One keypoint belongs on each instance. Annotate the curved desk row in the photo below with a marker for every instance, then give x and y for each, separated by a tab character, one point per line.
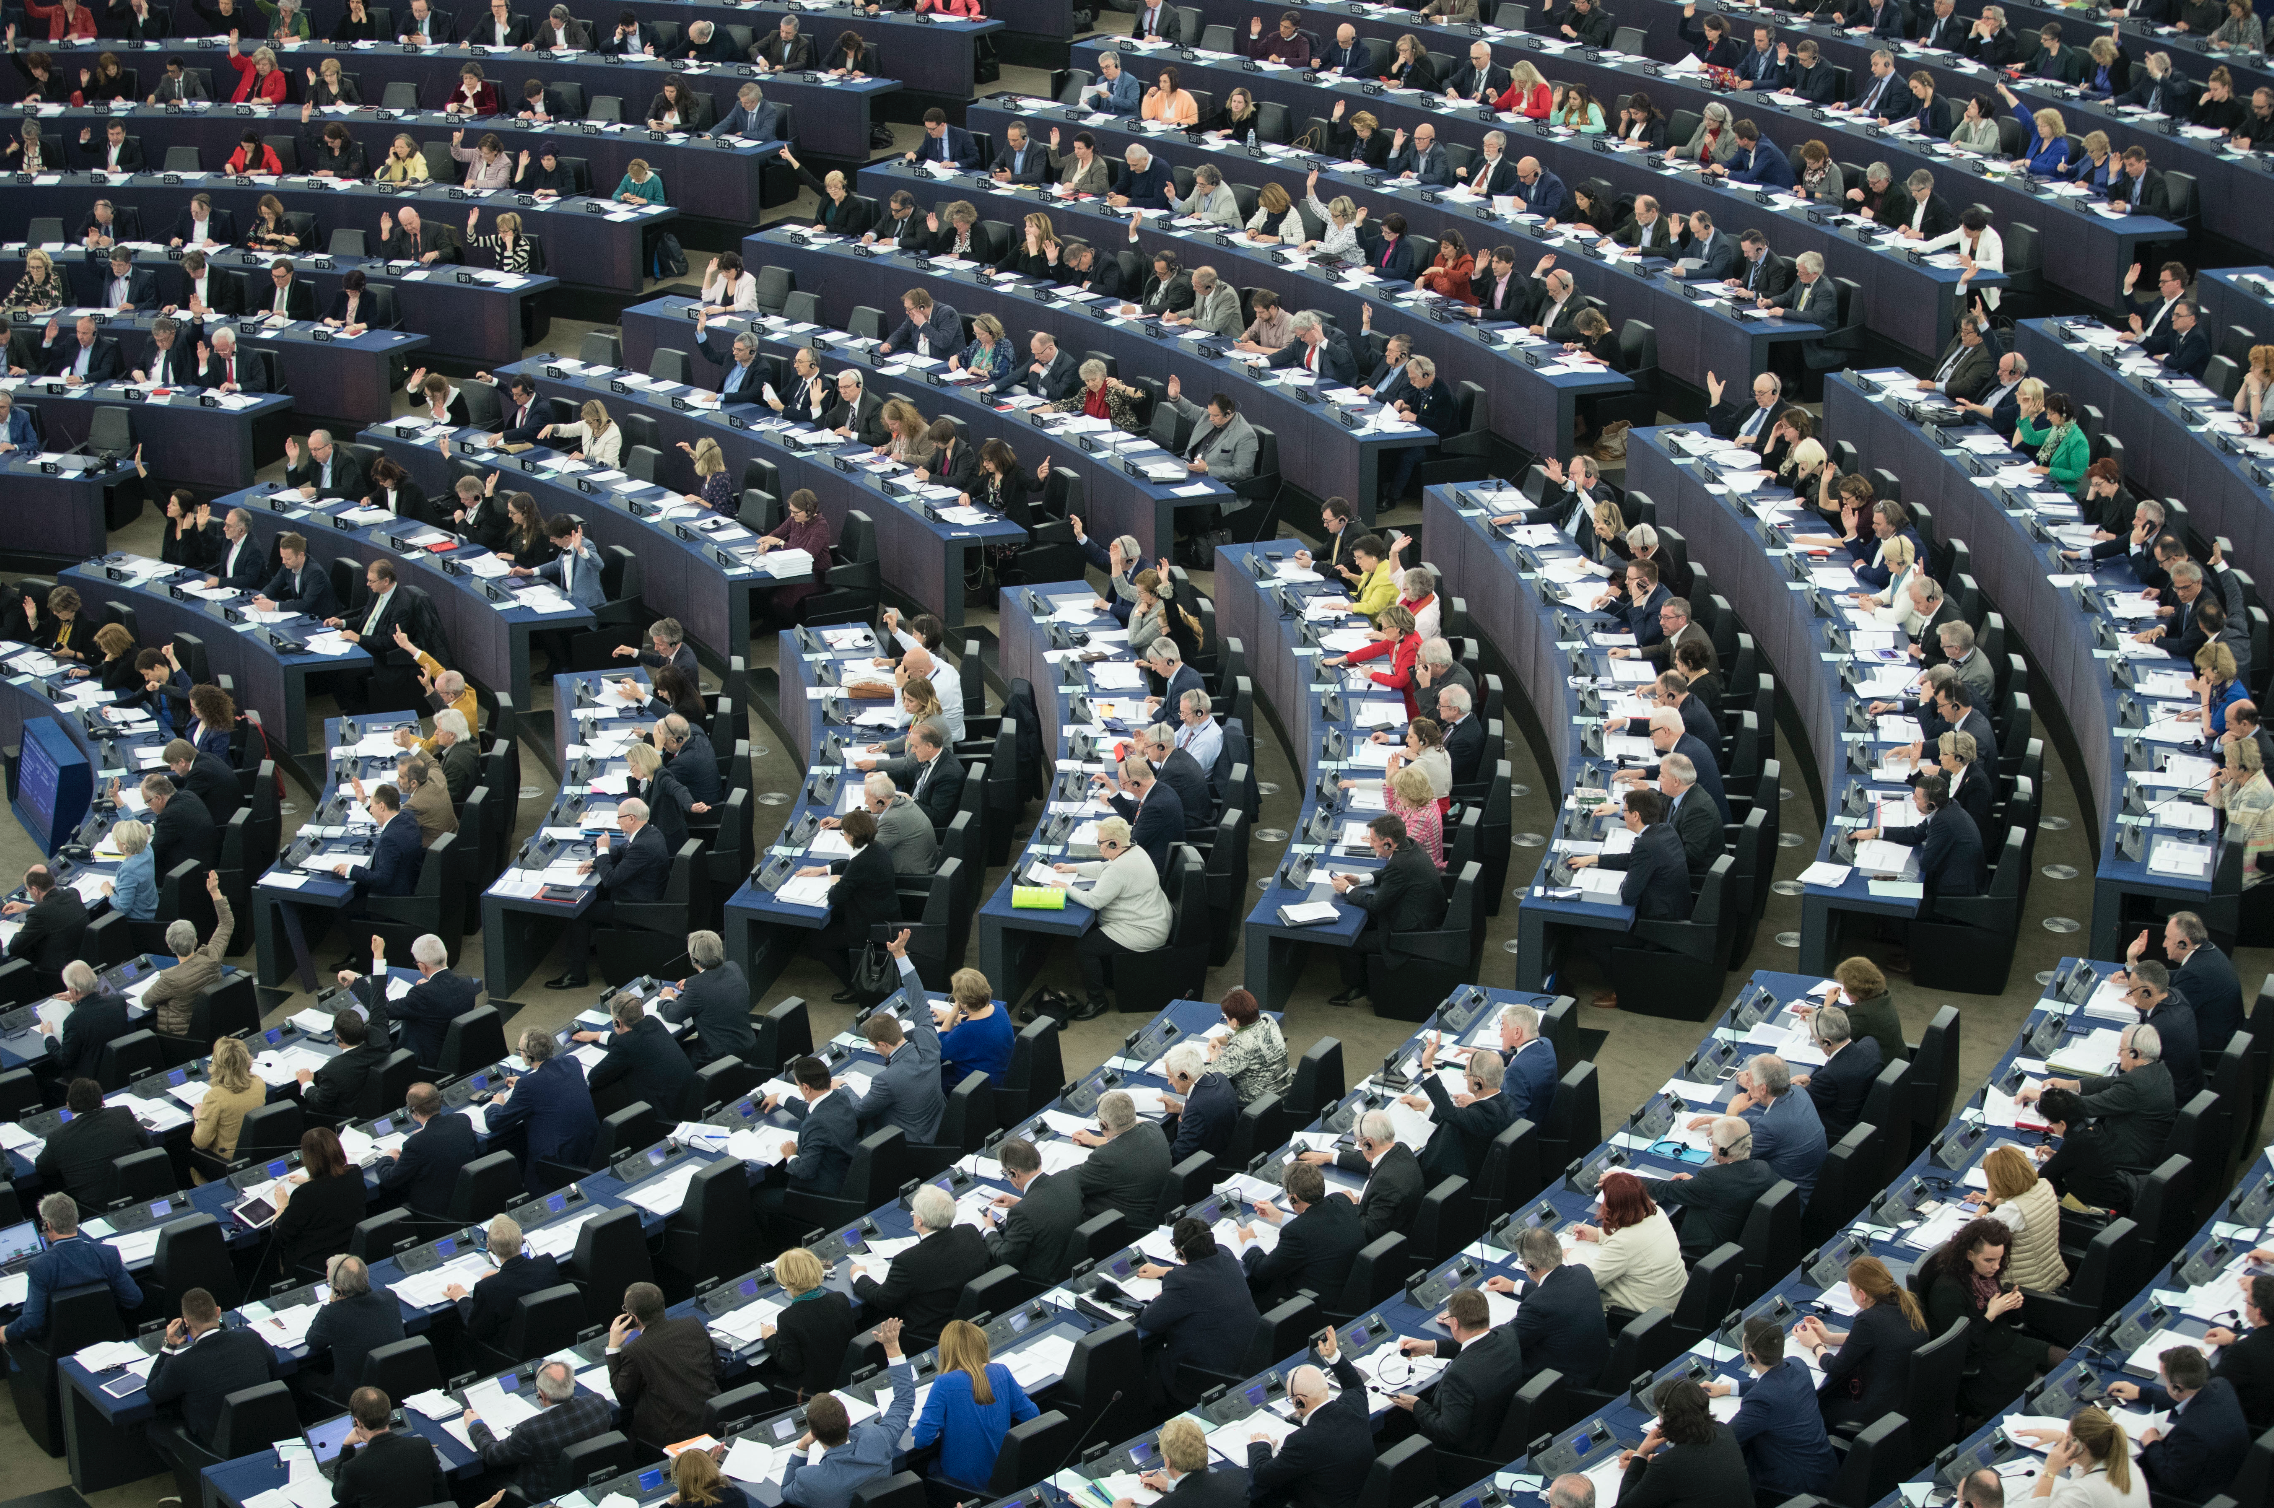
832	119
64	514
189	436
608	237
2075	646
2188	447
2083	252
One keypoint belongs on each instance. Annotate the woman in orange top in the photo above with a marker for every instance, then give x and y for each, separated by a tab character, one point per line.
1449	274
1166	101
1528	94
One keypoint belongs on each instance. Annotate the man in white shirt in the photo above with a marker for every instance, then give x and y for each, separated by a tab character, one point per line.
242	560
926	634
1197	732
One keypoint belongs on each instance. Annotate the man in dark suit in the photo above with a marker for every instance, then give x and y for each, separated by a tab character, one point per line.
2147	989
2195	1458
2140	189
127	289
949	145
205	776
1036	1232
1540	191
688	755
2190	349
1464	1411
81	1155
1464	735
1128	1163
1316	1246
355	1321
1407	895
856	411
1648	229
1926	214
321	469
1949	844
298	586
183	827
1181	774
2245	1364
663	1369
225	367
1493	174
396	860
1690	812
440	997
1392	1196
642	1055
1716	1202
334	1091
1968	366
1715	253
406	238
716	998
1657	882
552	1103
1206	1108
784	48
53	921
828	1131
84	356
1670	735
1559	1321
523	415
1467	1123
925	1281
927	326
637	868
1787	1452
381	1467
1022	160
929	772
1761	273
424	1170
1326	1460
488	1308
1051	373
1481	80
201	225
286	295
1841	1086
1155	815
200	1365
1316	350
2202	975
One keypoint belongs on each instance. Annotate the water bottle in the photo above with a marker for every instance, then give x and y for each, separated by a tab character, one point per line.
1251	136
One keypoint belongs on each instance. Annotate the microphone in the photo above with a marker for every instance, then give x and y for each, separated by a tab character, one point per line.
1093	1429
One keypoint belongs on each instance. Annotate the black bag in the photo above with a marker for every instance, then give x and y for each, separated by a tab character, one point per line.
875	973
670	257
1047	1003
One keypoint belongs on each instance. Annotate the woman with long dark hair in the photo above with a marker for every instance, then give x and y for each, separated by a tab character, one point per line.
1689	1459
319	1206
1966	1281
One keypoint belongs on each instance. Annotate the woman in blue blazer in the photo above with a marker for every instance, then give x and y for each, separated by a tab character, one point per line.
971	1407
216	720
134	893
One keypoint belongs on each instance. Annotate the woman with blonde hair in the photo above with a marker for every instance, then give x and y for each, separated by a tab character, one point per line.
1239	119
919	699
2028	1206
40	287
1410	67
972	1405
257	75
716	487
1610	527
1393	635
116	667
1527	93
1340	218
2250	397
1897	556
134	890
2096	164
404	163
988	357
1275	219
811	1339
1167	100
640	184
328	86
1406	794
1149	616
668	799
2110	71
1865	1373
2090	1466
1037	252
1361	139
230	1092
2242	791
2214	684
909	445
515	251
976	1034
603	438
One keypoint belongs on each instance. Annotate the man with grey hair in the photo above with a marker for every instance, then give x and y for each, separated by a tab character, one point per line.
906	1092
929	772
1716	1202
2201	975
1154	814
1167	661
1197	732
440	997
1851	1063
1787	1133
1203	1101
323	470
70	1261
688	754
1928	214
1434	670
1560	1322
901	826
1130	1161
1694	819
533	1450
355	1321
454	745
926	1281
716	998
1316	348
1467	1122
490	1305
1392	1196
1571	1490
2131	1109
1181	774
1117	91
1815	299
637	869
173	995
1962	655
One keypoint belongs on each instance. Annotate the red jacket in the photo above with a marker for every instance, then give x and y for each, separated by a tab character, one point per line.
951	7
269	163
82	26
1535	105
271	88
485	97
1399	677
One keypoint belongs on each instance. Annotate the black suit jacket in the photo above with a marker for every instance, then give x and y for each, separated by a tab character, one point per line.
1407	895
2209	982
312	594
1697	823
104	364
426	1174
52	930
216	1364
426	1012
490	1305
2204	1448
299	299
1560	1322
212	782
1315	1251
1658	874
812	1340
1321	1464
1715	1202
637	871
2147	194
1393	1190
1840	1086
396	1470
1464	747
650	1064
926	1280
222	227
1037	1236
81	1154
1464	1411
340	1082
1126	1175
348	1330
185	830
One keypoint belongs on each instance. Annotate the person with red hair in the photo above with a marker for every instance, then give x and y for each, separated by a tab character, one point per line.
1640	1266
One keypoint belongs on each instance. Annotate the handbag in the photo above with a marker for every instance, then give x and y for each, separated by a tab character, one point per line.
875	973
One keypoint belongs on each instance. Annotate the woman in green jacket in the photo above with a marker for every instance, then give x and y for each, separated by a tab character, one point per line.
640	185
2058	442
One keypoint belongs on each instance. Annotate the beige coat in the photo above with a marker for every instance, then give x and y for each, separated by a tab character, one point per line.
172	994
430	806
221	1116
2035	1217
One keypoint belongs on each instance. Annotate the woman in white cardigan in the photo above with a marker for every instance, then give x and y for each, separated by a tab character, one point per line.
1979	240
1639	1265
603	438
1133	913
2090	1466
1341	219
728	288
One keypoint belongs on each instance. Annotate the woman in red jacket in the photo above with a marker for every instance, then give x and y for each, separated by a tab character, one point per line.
68	21
1449	275
1528	94
1393	636
256	156
258	77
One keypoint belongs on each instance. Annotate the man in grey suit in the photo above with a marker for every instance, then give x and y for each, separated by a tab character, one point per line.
1223	443
906	1091
902	827
1215	305
1961	654
1128	1168
1812	297
1034	1230
716	997
1968	367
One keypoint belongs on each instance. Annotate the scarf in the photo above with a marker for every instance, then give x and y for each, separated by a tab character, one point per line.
1094	404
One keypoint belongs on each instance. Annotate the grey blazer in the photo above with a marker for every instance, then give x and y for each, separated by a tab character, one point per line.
1090	180
906	834
1230	452
1219	311
1219	207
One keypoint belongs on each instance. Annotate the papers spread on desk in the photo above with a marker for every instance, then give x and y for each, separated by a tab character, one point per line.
424	1290
2182	860
665	1195
2092	1055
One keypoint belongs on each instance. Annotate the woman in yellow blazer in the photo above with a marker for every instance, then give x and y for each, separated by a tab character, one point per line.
1377	580
231	1091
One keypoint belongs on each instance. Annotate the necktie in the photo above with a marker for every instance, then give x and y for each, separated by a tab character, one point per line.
233	376
378	606
924	776
1311	359
1871	100
1753	425
281	300
1950	364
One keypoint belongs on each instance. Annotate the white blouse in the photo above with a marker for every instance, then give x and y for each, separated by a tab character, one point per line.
603	450
1339	239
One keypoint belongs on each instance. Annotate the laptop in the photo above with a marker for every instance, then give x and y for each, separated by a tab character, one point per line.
326	1439
20	1243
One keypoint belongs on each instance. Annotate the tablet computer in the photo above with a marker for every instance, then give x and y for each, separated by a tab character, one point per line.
257	1213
